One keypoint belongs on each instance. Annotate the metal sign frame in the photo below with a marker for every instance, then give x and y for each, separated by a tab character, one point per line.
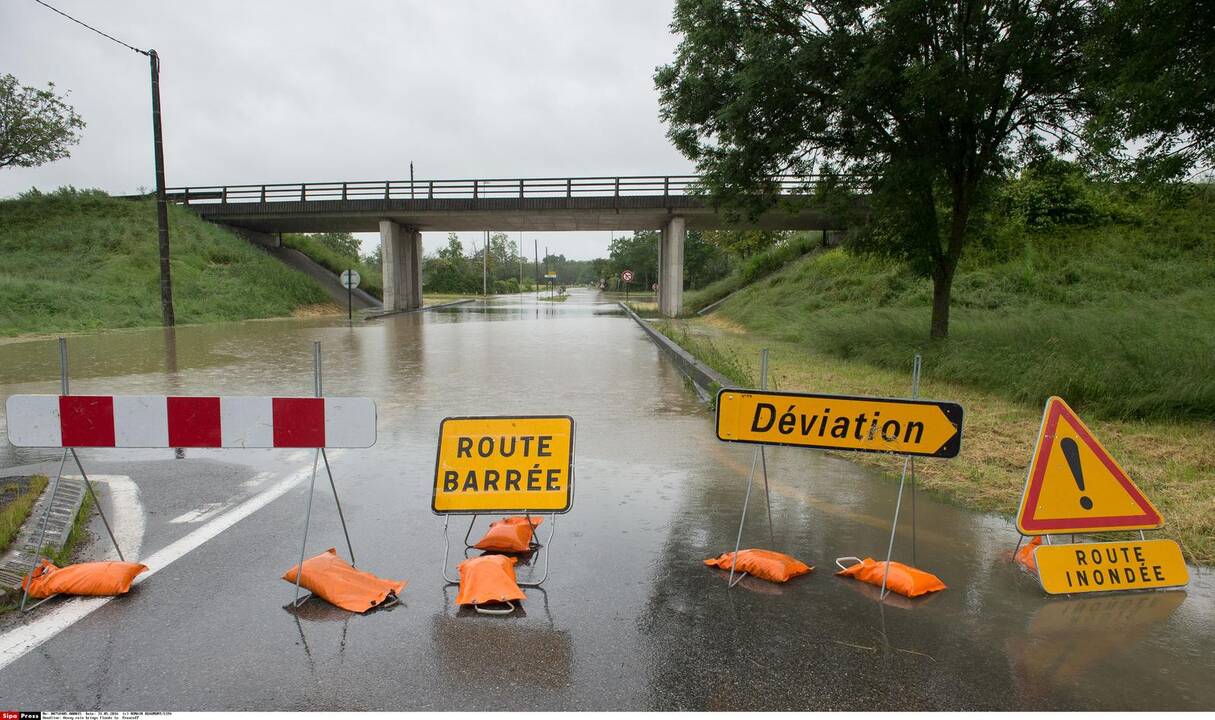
535	544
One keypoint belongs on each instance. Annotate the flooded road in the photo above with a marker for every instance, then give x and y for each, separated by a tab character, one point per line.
629	618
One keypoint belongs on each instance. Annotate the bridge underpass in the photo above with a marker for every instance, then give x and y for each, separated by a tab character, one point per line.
401	210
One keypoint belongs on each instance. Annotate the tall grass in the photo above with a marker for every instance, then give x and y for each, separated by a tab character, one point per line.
753	268
79	260
371	279
16	506
1118	319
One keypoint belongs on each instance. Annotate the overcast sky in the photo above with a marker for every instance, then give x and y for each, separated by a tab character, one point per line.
290	91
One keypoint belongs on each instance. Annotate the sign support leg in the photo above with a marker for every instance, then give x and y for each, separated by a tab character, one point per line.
299	569
46	516
329	472
88	484
907	464
763	456
742	521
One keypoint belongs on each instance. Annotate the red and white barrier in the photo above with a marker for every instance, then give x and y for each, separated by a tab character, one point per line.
158	421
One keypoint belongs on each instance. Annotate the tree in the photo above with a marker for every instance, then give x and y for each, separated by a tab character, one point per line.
36	126
342	243
744	243
929	100
1153	84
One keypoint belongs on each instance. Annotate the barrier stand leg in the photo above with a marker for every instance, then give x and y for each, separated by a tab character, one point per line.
89	484
894	526
447	550
763	456
468	534
46	516
742	521
548	550
329	472
299	569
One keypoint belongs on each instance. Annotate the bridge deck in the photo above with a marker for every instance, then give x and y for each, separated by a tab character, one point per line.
534	204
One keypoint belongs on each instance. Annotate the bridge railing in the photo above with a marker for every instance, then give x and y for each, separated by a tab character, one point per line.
622	186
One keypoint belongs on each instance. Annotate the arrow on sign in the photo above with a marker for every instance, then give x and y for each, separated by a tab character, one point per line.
840	422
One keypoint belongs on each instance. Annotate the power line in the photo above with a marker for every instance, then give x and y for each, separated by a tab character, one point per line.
90	27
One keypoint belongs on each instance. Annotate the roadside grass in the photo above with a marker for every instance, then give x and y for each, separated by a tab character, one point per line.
553	298
370	277
15	506
753	268
1172	462
80	260
1117	319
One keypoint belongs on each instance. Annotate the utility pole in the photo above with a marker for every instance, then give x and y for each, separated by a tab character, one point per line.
162	201
485	267
162	208
520	264
536	258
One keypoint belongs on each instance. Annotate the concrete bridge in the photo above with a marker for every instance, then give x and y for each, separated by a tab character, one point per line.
401	210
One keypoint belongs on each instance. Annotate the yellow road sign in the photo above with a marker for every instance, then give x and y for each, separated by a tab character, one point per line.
840	422
1074	484
504	464
1105	567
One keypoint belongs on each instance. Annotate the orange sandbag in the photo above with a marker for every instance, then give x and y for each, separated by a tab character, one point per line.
488	579
903	579
763	564
512	534
333	579
91	578
1025	556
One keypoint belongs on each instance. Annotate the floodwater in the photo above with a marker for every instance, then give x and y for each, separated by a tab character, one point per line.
629	617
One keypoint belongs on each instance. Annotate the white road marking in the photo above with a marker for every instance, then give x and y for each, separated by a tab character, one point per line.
206	512
126	515
17	642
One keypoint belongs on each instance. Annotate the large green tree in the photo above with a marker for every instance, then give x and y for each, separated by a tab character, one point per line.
1154	86
929	100
36	126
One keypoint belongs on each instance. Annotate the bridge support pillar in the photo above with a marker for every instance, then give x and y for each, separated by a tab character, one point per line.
401	255
670	267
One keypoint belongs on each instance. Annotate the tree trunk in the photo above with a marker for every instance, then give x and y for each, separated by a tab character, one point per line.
942	287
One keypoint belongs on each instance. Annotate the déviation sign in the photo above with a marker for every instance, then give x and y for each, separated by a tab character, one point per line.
840	422
504	464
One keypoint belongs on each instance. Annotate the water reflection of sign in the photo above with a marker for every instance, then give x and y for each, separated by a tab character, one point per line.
1074	484
504	464
837	422
1069	642
1103	567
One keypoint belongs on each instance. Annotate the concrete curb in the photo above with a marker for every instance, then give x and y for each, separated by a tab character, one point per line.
377	316
707	380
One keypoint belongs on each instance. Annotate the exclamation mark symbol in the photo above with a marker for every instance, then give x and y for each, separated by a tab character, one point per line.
1071	451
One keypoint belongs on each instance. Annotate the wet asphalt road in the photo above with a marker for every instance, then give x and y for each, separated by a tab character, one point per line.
629	618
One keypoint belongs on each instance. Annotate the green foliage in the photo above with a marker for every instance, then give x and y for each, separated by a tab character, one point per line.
1054	192
36	126
703	261
338	252
80	260
928	99
15	506
791	247
1114	316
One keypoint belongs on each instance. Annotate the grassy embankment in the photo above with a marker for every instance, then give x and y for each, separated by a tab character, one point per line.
1116	318
370	277
76	261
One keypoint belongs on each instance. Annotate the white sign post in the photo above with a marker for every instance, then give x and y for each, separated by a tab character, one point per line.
350	280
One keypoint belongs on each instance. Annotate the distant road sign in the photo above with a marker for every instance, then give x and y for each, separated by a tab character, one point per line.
654	286
1102	567
504	464
1074	484
551	275
350	279
838	422
626	275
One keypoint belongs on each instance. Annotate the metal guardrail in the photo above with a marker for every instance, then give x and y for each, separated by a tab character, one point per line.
518	188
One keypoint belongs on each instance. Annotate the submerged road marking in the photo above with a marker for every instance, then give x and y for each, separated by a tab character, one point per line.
17	642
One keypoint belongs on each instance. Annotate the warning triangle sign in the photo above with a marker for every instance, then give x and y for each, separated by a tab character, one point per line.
1074	485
